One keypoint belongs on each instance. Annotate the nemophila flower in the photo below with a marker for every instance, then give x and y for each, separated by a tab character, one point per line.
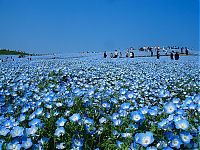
22	117
49	106
169	108
106	105
61	121
31	131
125	135
117	122
125	106
151	148
59	131
90	129
119	144
123	113
75	117
114	100
162	124
13	146
17	131
144	110
137	116
182	124
130	95
186	137
26	144
4	131
43	140
152	112
61	146
32	116
70	103
67	113
34	122
192	106
144	139
38	111
167	148
176	142
115	116
88	121
161	144
77	142
176	100
115	133
123	91
102	120
8	124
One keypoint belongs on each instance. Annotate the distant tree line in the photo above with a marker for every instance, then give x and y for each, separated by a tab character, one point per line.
15	52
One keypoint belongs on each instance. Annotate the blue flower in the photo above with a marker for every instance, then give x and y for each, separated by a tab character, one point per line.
17	131
169	108
39	111
186	137
182	124
123	91
117	122
27	143
32	130
4	131
34	122
13	146
144	138
106	105
151	148
125	106
119	144
102	120
88	121
75	117
163	123
77	142
176	142
59	131
22	117
60	145
61	122
152	112
137	116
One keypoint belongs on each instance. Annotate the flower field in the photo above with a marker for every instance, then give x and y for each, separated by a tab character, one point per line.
100	104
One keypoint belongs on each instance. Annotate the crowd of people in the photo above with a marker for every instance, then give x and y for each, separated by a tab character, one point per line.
174	52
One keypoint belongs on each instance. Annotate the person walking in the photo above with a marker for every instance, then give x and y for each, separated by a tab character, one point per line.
177	56
186	51
105	55
151	53
158	54
172	56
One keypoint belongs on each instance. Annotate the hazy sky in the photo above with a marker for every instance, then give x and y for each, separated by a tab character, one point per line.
47	26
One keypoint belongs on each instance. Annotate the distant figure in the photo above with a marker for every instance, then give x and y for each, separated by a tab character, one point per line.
177	56
172	56
158	54
111	55
105	55
120	55
127	54
131	55
115	54
181	50
151	53
186	51
13	60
